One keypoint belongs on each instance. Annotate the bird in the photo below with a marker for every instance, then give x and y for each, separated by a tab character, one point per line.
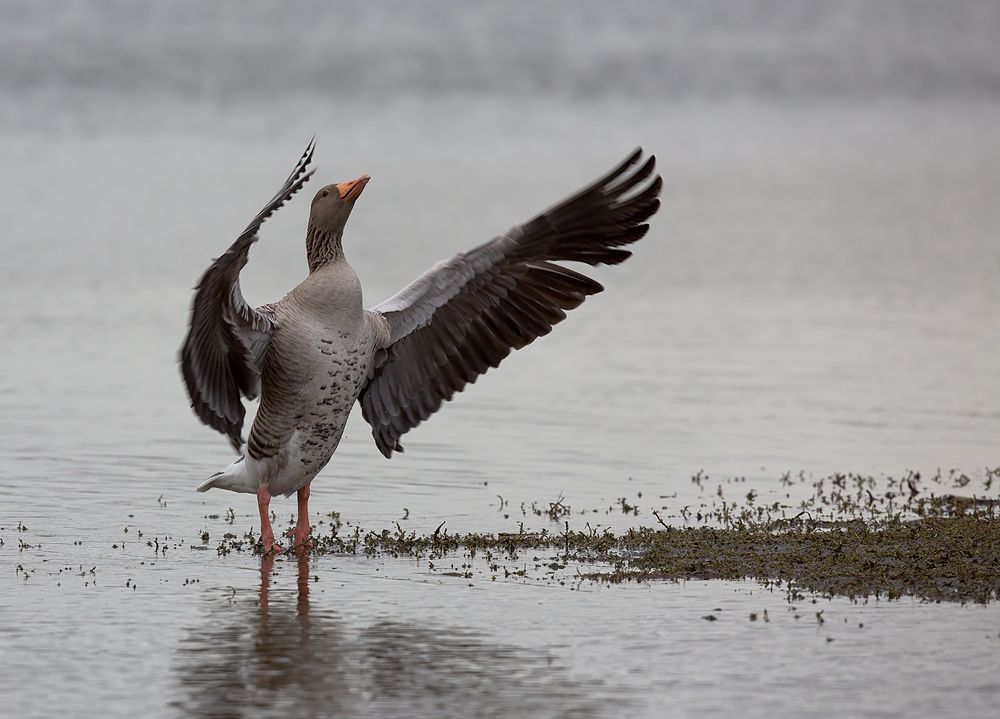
312	355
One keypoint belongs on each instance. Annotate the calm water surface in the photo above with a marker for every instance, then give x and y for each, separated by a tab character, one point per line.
818	294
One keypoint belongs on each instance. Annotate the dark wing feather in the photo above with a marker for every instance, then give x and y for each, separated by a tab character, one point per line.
226	340
466	314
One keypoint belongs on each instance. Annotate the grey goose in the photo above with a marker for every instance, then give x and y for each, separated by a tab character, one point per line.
310	356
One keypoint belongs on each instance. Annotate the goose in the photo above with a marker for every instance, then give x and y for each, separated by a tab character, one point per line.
310	356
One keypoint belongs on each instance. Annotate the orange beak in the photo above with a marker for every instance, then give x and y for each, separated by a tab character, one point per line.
351	190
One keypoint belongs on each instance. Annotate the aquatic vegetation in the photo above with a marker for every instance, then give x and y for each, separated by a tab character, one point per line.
854	536
942	558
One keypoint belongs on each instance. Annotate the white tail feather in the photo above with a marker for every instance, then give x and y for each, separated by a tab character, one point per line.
237	477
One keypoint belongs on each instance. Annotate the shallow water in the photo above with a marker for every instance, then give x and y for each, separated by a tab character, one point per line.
818	294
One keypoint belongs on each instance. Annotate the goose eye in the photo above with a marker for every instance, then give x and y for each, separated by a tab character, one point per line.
325	193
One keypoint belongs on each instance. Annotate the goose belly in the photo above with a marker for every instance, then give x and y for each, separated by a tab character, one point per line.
325	403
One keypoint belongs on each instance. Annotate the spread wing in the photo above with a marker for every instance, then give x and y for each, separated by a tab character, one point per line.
226	340
466	314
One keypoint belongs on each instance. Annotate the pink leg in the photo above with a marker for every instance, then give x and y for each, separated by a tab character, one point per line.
302	523
266	533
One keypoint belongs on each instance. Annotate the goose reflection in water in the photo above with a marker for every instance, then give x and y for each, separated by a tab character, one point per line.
273	658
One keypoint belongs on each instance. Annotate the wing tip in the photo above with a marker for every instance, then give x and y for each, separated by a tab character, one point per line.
387	447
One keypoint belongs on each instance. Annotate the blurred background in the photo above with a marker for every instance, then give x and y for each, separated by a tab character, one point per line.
817	294
818	291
